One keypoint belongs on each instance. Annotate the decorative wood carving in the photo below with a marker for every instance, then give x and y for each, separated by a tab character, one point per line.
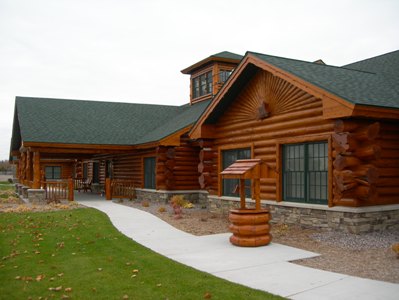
268	95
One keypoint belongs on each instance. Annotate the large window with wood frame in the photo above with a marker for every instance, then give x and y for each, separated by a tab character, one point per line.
202	85
230	186
52	172
149	172
305	172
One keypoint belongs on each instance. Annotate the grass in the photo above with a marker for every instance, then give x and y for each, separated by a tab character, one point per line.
78	254
6	186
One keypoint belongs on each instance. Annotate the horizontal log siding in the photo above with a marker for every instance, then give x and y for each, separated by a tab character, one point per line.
185	170
388	163
239	127
126	166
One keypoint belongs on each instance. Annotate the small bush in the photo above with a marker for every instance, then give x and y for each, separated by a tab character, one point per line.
177	200
180	201
395	248
145	203
161	209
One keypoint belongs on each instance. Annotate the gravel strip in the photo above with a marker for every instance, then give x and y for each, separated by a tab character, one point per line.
375	240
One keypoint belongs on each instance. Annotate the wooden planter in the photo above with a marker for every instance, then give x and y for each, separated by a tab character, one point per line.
250	227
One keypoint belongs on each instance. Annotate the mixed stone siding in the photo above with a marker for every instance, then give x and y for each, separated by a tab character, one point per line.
346	219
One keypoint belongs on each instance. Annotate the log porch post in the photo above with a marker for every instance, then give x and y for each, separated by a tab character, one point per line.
23	168
108	192
70	189
36	170
28	167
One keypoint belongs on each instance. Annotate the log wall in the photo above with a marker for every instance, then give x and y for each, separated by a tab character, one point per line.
176	167
366	162
126	166
268	111
388	163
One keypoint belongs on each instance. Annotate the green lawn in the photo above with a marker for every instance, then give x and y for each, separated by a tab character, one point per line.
78	254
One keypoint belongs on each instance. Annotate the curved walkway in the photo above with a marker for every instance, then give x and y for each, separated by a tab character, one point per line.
265	268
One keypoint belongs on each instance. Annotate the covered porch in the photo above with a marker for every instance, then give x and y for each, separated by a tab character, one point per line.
51	173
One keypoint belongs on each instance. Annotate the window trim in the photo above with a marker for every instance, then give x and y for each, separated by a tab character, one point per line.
303	139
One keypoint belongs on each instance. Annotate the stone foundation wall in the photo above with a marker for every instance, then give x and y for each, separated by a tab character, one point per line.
352	221
347	219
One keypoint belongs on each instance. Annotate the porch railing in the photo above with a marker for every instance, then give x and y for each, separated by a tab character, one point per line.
58	190
78	183
82	184
122	188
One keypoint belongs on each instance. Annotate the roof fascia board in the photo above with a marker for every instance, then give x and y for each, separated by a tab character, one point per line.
174	138
375	112
196	129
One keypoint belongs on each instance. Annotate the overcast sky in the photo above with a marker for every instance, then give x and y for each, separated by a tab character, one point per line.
133	50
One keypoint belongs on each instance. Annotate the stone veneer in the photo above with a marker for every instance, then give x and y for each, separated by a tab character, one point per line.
347	219
29	195
37	196
162	196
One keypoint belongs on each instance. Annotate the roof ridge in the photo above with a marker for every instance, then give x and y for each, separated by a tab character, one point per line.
371	58
308	62
99	101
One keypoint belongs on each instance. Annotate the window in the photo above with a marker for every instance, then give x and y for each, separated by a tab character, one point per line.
149	172
53	172
305	173
85	170
96	173
224	75
202	85
230	185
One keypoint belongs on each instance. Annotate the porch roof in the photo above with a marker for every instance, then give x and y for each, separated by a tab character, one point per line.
46	120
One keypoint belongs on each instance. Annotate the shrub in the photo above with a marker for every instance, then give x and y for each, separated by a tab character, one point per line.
161	209
178	200
145	203
395	248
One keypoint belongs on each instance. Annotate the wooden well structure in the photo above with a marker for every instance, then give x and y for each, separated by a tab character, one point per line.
250	226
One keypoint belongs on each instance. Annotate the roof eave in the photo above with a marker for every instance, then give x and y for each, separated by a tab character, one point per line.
208	60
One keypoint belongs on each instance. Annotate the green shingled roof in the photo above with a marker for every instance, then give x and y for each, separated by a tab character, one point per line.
95	122
228	55
224	56
374	82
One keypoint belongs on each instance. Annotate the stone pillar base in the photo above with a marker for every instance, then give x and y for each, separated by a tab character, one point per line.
37	196
25	192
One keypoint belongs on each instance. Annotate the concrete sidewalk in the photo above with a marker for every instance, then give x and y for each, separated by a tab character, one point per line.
265	268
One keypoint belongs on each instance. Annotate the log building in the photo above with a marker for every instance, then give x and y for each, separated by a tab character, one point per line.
328	137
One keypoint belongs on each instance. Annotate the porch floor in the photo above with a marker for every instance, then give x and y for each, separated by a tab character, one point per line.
266	268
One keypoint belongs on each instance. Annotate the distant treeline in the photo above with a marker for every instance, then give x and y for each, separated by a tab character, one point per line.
6	167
